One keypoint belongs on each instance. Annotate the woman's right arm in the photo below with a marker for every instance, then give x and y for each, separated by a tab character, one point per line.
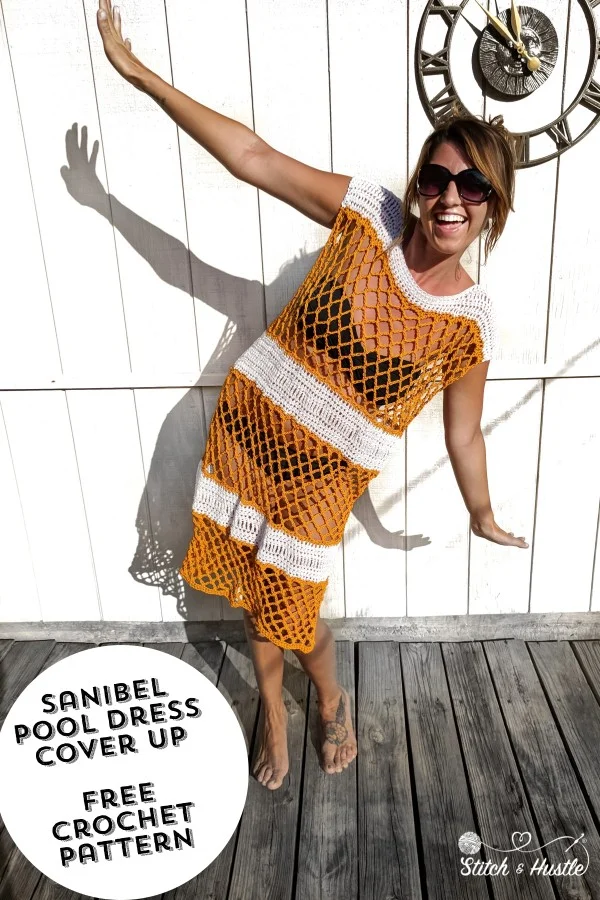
314	192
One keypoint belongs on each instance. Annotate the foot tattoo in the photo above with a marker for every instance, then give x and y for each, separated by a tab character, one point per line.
336	732
339	743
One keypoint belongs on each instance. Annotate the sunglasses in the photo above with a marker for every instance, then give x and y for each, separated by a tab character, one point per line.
471	184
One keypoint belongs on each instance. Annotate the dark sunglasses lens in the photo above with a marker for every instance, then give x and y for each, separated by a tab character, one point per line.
432	181
474	187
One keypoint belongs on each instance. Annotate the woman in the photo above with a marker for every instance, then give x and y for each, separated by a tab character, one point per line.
307	416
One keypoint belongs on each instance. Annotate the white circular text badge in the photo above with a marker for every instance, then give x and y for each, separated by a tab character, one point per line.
137	768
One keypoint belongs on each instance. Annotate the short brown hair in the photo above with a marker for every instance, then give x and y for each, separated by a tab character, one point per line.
491	148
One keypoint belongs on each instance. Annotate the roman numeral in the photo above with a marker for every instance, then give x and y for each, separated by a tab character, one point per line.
591	95
524	146
436	63
560	133
449	12
443	100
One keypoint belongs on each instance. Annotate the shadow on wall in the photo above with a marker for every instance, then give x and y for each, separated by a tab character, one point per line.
164	522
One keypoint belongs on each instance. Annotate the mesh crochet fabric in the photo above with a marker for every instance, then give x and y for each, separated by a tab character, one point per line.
309	414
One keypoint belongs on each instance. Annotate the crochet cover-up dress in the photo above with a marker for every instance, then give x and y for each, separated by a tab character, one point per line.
310	412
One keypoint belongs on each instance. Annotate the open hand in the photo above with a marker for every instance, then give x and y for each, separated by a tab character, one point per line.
488	529
80	175
117	50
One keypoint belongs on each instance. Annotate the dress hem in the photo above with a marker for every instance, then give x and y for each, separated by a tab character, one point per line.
256	622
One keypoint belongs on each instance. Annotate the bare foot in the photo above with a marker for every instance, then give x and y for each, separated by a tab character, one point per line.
339	741
272	763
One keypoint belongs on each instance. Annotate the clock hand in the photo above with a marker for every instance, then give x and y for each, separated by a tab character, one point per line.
533	63
516	20
498	25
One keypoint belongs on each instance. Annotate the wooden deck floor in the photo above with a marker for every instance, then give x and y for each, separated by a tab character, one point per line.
493	737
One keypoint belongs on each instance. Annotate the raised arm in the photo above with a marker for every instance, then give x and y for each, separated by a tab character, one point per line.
314	192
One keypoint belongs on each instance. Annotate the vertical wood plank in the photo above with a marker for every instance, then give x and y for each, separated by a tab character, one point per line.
373	32
499	576
26	310
46	49
327	863
147	210
376	545
568	492
264	855
221	211
437	572
387	846
107	444
444	807
48	480
237	684
573	314
19	601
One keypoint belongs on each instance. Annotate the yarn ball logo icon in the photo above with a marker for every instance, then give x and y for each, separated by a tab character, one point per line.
123	772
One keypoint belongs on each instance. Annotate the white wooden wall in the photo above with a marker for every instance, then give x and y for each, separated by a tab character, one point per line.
129	285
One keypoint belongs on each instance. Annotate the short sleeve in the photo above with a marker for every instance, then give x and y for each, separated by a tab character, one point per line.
378	204
488	328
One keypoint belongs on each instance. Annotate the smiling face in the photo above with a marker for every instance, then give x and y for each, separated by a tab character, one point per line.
452	239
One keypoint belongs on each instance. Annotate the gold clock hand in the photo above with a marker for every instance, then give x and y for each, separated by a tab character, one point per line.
533	63
498	25
516	20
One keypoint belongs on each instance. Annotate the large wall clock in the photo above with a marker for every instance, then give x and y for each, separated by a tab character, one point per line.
534	65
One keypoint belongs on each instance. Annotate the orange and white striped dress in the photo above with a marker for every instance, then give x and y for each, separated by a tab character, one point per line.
310	412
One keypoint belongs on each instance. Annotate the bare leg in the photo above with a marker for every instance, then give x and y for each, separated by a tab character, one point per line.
272	761
339	742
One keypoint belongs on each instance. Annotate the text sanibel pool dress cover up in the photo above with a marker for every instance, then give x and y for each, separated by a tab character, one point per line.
310	412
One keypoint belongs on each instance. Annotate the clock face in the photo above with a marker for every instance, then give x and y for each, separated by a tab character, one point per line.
504	68
544	86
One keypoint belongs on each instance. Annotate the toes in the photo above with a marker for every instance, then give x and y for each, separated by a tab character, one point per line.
275	781
264	774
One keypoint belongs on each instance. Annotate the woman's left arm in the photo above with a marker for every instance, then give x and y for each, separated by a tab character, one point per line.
463	405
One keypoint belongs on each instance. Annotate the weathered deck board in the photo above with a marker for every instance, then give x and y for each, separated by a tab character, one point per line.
233	674
19	880
327	865
5	646
387	848
21	664
495	738
444	810
556	798
270	817
499	796
588	656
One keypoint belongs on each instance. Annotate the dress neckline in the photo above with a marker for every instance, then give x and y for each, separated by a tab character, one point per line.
405	277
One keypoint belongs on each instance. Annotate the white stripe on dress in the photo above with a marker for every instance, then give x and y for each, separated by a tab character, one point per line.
298	559
291	387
